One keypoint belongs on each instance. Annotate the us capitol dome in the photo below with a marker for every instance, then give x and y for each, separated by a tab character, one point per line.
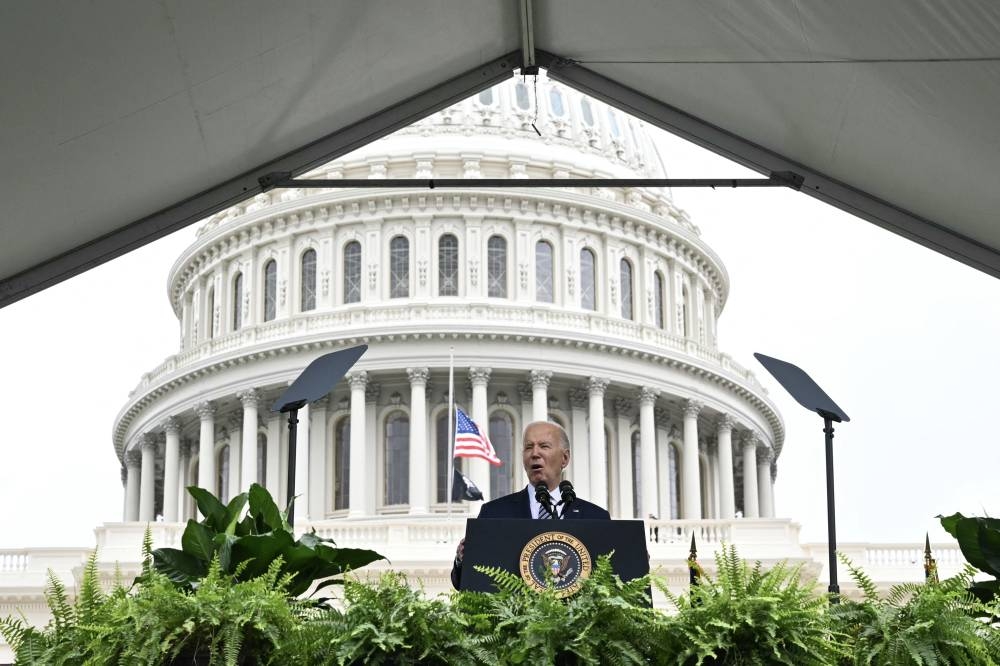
596	308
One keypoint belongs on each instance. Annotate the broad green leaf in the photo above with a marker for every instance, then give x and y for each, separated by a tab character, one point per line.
226	562
210	507
263	508
197	541
989	546
233	512
259	551
966	532
180	567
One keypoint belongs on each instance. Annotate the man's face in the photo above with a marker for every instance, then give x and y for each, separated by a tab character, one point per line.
544	456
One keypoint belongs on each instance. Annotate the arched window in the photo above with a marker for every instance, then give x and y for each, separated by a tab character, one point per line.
342	464
442	449
658	298
616	131
556	102
587	112
486	97
261	458
544	291
448	265
308	276
222	474
626	284
396	488
399	267
637	476
675	486
352	272
588	279
496	266
238	302
502	438
270	290
685	311
521	96
210	305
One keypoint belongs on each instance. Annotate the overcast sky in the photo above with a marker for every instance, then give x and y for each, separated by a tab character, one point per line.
902	338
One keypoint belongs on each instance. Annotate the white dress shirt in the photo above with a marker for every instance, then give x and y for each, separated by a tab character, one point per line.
536	508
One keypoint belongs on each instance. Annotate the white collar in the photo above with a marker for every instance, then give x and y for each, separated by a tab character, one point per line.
556	495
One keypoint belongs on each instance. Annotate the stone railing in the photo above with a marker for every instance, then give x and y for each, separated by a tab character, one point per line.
421	316
888	563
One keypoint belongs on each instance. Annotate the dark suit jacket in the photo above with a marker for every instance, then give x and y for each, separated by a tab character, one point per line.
517	505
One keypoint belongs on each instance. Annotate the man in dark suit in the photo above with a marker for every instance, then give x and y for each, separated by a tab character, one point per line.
545	455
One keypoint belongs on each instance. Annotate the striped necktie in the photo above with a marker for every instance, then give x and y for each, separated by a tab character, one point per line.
543	512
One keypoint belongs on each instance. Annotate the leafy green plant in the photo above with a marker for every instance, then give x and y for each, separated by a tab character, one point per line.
979	539
748	615
386	622
606	621
921	624
245	547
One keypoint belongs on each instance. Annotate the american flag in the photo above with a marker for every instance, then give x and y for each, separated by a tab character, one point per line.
469	442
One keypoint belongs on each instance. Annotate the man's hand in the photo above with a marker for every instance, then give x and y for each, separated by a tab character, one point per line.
460	551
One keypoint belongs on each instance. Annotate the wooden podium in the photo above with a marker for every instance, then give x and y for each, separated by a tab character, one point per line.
563	551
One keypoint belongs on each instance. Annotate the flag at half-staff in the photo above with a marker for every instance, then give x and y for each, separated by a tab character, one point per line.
470	441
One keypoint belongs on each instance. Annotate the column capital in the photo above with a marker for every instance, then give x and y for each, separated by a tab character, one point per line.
250	397
750	438
692	408
418	375
725	422
764	455
623	407
133	458
647	395
596	386
358	379
205	410
147	440
171	425
578	398
480	376
540	378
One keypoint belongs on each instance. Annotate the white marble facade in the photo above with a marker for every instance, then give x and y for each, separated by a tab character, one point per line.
595	307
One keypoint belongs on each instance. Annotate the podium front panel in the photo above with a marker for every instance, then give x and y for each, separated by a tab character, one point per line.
501	542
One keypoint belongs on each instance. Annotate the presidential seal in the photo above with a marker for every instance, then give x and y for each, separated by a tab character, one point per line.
557	559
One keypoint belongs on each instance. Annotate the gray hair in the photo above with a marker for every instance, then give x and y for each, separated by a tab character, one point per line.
563	436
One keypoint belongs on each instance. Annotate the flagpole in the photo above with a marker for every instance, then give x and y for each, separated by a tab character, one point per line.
451	427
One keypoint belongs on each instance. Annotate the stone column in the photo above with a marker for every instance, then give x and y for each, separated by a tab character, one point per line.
235	454
171	469
357	497
623	426
580	456
248	460
662	420
479	469
206	446
317	459
419	453
764	481
596	386
727	497
539	394
750	497
147	483
691	483
302	463
647	455
371	470
183	510
133	459
272	475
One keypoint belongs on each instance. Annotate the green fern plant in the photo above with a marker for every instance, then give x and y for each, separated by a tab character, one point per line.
606	621
921	624
749	615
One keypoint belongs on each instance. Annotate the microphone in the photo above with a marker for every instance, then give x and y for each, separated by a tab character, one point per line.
543	497
568	495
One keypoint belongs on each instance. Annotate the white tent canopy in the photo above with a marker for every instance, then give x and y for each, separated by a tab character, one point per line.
123	121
